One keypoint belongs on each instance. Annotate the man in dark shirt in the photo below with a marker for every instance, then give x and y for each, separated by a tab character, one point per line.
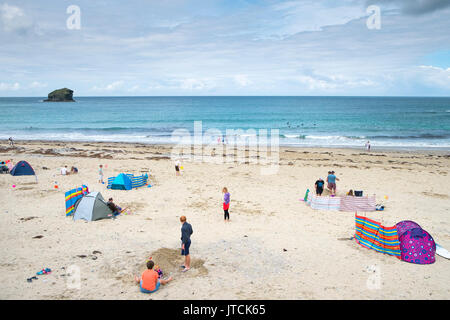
319	186
186	231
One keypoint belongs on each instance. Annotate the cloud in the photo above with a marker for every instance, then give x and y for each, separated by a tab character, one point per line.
109	87
37	84
242	80
9	87
196	84
414	7
249	47
13	19
435	76
323	82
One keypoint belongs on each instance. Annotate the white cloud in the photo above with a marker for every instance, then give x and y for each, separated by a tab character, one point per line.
435	76
14	19
37	84
110	87
242	80
196	84
9	87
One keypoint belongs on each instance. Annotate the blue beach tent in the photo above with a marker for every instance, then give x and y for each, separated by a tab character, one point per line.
122	182
22	168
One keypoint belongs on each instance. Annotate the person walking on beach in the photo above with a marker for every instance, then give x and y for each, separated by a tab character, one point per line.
319	186
331	179
368	145
100	174
226	204
11	142
186	232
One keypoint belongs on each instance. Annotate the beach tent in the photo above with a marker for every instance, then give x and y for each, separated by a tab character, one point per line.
122	182
406	240
416	245
73	196
92	207
22	168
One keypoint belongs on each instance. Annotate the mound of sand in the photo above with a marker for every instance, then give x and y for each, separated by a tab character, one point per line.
170	260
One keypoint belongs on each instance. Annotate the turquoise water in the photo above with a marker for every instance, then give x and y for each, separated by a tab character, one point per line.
398	122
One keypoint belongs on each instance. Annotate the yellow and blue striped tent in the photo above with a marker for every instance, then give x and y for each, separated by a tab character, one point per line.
136	181
72	197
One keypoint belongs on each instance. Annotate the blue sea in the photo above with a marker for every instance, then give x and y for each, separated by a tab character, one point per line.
388	122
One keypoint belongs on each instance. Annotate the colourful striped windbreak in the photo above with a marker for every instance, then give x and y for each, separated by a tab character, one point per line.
373	235
136	181
72	197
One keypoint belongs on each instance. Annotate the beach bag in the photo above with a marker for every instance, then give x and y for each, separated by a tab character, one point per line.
417	246
358	193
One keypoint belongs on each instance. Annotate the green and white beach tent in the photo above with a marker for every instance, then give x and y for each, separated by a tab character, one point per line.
92	207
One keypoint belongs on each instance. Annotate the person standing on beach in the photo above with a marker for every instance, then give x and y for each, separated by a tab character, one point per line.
186	232
177	167
11	142
10	164
331	179
368	145
319	186
100	174
226	204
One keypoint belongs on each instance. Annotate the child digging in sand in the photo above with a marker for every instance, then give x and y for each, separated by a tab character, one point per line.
150	281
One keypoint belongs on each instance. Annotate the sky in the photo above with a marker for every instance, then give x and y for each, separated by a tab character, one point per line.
225	47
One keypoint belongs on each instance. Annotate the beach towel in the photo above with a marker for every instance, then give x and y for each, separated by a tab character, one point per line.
373	235
73	196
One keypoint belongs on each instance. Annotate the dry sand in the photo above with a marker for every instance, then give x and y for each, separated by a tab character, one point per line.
275	247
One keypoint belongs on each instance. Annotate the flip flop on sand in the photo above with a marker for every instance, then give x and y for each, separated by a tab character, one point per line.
185	269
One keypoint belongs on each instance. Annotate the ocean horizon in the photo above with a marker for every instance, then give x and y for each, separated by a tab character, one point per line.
303	121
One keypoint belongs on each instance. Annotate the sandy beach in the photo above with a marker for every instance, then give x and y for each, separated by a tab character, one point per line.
274	247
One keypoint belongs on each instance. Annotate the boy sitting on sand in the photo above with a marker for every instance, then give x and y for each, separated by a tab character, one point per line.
149	281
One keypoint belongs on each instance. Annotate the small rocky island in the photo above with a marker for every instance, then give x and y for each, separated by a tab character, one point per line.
60	95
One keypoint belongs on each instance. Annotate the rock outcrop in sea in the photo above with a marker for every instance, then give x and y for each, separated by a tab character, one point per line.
60	95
